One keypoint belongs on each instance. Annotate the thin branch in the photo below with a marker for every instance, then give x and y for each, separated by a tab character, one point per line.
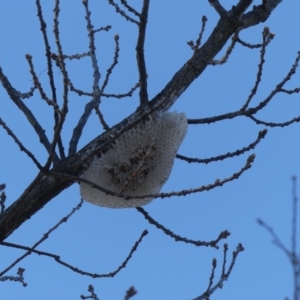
203	188
276	240
224	59
224	276
212	276
14	96
50	73
93	295
290	92
77	132
18	278
101	118
75	269
21	146
130	293
214	243
106	28
130	8
248	45
292	254
114	63
238	152
140	54
28	94
62	66
39	86
122	12
294	216
41	240
266	37
119	96
275	124
2	198
199	39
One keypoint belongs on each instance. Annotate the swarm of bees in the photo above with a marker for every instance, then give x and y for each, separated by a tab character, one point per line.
138	164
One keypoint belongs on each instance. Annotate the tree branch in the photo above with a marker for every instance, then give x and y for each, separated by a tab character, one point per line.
44	188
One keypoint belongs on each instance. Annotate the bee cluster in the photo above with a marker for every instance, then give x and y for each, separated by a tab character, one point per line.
139	162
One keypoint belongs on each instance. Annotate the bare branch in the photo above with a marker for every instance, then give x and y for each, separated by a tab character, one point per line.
101	118
2	198
50	74
122	12
224	59
77	132
39	86
130	8
274	124
276	240
203	188
14	96
19	278
106	28
292	254
199	39
119	96
130	293
223	235
294	216
224	276
75	269
22	147
267	36
238	152
41	240
140	53
93	294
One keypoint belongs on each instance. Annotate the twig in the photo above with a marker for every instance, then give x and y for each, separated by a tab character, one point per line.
140	54
292	254
21	146
130	8
50	73
28	94
203	188
130	293
44	237
77	132
223	235
19	278
93	295
224	276
75	269
40	88
238	152
2	198
266	36
275	124
122	12
102	121
199	39
224	59
14	95
62	66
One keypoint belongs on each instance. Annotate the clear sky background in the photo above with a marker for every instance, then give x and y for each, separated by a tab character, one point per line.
98	239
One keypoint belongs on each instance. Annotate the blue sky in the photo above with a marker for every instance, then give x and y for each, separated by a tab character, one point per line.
98	239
